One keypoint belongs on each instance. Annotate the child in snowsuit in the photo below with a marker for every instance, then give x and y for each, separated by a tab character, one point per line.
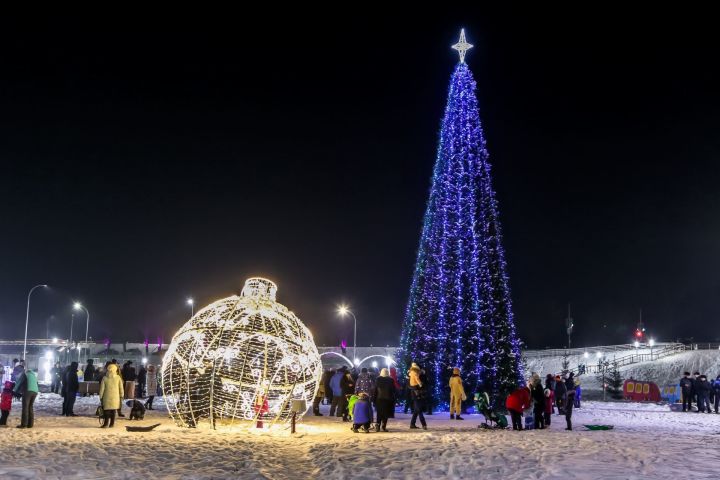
6	402
457	395
362	413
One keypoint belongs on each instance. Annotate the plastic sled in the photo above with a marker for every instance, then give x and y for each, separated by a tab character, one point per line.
141	429
599	427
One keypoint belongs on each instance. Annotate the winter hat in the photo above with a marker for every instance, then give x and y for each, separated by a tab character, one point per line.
686	374
384	372
456	371
557	377
415	365
703	377
696	373
112	368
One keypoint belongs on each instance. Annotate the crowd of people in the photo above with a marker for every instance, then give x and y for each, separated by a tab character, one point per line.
702	392
114	384
560	391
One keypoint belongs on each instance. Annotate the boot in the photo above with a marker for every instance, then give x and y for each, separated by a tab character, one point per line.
354	429
459	418
452	416
377	427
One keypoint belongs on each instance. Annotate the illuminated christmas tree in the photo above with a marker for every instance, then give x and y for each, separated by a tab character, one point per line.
459	313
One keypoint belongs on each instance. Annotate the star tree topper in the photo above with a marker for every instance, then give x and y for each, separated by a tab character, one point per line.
462	46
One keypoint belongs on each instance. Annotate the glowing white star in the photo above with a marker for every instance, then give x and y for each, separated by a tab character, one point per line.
462	46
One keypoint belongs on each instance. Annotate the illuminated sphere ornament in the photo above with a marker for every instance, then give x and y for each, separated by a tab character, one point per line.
240	358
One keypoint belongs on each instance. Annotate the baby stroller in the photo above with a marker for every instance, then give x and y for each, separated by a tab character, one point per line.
482	403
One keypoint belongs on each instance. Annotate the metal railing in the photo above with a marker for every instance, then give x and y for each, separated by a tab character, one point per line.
656	353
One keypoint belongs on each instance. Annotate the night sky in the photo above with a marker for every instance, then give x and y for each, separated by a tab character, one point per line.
142	166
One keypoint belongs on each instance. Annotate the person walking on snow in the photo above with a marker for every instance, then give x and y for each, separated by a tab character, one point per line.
716	389
702	390
384	396
152	385
27	387
111	394
418	395
560	394
319	395
570	403
538	396
686	387
6	402
516	402
71	385
549	401
364	383
336	405
457	395
89	372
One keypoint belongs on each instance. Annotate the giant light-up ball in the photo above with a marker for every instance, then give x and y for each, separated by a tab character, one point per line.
244	357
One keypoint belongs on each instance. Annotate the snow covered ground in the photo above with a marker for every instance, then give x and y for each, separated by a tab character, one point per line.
648	441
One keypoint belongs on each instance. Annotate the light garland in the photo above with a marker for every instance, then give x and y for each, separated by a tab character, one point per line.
243	357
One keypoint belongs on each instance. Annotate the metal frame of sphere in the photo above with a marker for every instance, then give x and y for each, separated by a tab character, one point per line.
243	357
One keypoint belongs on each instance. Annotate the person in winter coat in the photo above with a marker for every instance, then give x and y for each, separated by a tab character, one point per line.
319	395
71	385
362	413
457	395
516	402
18	369
151	378
570	382
716	389
537	392
686	387
549	402
414	376
364	383
578	393
560	394
27	387
141	379
384	396
6	402
56	376
569	408
702	390
89	372
111	394
337	396
347	388
696	379
328	389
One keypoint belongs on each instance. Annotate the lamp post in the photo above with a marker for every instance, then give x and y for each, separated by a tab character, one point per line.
27	316
191	302
79	306
344	310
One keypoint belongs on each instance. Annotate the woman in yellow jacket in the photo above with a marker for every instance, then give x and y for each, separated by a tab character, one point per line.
111	394
457	395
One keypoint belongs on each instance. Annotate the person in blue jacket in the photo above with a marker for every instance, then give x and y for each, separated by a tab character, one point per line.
336	405
362	413
716	388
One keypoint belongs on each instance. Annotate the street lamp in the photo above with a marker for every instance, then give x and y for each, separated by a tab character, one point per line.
79	306
344	310
27	316
191	302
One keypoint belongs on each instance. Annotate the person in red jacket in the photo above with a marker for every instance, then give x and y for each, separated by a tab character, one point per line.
6	402
516	402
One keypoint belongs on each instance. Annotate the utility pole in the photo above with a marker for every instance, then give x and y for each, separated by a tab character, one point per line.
569	325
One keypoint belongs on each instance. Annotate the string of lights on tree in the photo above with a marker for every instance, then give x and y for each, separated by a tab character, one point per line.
459	312
240	358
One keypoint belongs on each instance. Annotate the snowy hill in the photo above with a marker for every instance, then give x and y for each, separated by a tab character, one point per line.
667	370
